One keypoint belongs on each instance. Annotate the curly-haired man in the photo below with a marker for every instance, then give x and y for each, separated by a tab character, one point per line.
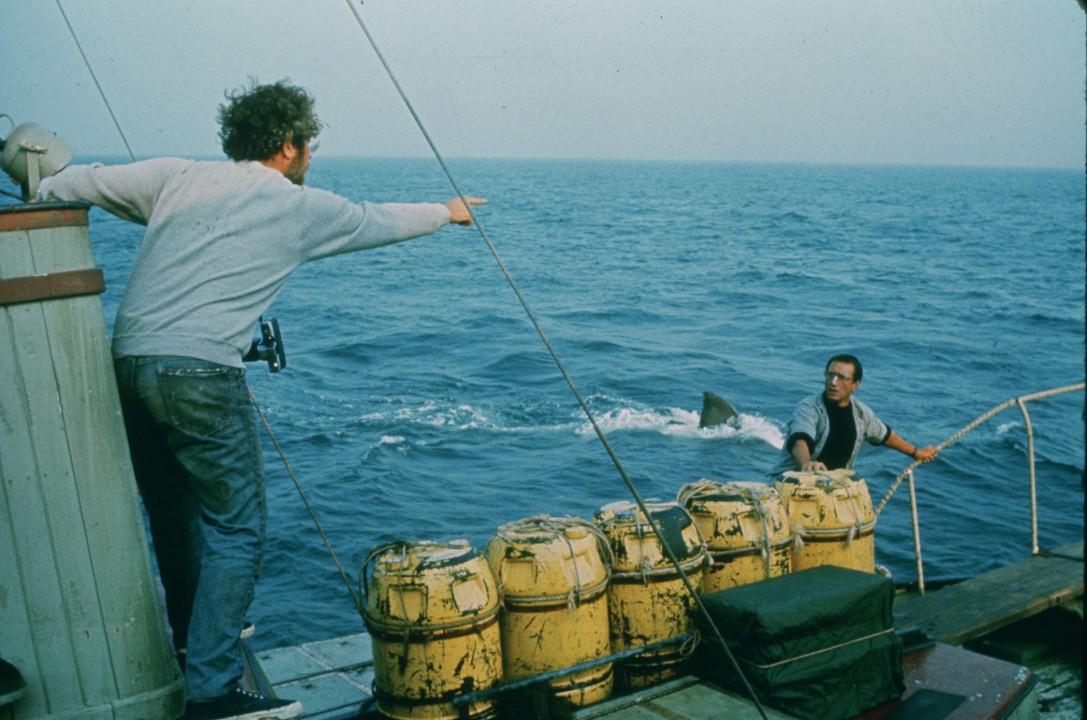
222	237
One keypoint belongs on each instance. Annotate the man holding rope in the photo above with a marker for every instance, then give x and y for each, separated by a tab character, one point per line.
826	430
221	240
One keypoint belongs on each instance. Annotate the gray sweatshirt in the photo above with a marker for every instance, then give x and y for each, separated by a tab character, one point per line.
221	240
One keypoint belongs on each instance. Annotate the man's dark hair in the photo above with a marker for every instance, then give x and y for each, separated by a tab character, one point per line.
857	369
259	119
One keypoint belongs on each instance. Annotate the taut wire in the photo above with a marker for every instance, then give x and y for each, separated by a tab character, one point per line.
558	362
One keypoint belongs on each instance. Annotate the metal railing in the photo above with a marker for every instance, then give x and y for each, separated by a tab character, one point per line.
907	474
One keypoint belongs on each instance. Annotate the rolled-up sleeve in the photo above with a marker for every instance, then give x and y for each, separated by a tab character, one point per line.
805	423
872	428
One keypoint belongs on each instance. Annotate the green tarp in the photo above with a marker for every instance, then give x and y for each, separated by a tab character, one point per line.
815	644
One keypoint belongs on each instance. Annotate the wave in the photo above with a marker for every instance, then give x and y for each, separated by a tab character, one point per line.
401	422
678	422
431	413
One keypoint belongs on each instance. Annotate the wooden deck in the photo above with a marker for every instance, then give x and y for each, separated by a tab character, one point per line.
333	677
685	698
962	612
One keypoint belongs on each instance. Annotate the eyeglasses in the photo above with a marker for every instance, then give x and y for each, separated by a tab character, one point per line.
313	145
831	376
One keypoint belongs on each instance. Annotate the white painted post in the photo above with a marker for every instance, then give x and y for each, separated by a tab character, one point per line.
79	609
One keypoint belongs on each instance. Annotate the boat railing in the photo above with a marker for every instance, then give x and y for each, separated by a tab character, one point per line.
908	474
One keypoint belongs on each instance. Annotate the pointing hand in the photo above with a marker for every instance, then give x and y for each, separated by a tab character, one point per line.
458	213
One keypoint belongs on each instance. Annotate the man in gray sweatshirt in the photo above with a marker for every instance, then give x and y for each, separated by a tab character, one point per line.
221	240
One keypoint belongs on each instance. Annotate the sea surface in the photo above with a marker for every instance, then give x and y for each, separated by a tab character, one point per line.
419	403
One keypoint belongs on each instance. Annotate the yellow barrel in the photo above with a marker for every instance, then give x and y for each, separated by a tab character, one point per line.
648	601
555	595
79	609
432	613
746	529
832	518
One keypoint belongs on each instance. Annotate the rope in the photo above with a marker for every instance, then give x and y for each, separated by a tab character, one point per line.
556	527
96	83
820	651
759	510
986	416
752	495
562	369
647	569
305	501
705	486
857	527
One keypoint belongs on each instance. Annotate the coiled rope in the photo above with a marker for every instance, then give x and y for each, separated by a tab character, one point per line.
986	416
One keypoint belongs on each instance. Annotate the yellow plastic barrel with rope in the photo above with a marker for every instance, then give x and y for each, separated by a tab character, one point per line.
746	528
648	601
832	518
432	612
554	581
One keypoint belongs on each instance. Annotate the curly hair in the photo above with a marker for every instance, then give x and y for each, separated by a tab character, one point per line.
259	119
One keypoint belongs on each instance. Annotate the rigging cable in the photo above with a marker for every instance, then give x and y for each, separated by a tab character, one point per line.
720	641
96	83
305	501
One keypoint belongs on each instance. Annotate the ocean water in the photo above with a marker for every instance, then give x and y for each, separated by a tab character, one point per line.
418	402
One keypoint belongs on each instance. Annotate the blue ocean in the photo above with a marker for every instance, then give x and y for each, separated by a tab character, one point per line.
419	403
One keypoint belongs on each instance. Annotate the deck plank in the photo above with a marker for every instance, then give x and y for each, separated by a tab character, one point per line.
967	610
331	678
685	698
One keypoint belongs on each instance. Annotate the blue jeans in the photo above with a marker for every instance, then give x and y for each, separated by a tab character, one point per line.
195	447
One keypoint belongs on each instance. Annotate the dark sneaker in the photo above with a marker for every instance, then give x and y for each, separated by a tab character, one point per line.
239	704
12	686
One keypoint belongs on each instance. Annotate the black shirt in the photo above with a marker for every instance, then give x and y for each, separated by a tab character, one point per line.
842	436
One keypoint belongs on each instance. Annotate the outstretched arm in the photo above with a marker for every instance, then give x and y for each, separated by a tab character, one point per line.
923	455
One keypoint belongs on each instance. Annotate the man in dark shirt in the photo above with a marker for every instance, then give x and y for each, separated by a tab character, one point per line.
826	430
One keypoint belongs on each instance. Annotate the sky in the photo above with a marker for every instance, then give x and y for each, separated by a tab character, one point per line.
931	82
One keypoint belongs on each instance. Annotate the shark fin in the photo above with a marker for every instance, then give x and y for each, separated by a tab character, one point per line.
716	410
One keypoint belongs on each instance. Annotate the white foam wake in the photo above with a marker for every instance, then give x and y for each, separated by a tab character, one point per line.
684	423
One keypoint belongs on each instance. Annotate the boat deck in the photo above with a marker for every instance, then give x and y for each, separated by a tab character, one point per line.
967	610
333	677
